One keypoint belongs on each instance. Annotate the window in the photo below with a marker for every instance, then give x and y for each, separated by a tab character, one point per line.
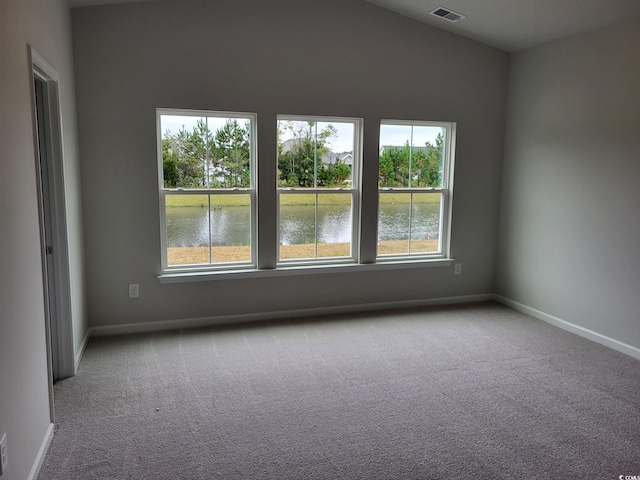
207	189
207	165
318	189
414	185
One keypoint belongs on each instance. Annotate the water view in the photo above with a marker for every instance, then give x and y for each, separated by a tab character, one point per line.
190	227
215	152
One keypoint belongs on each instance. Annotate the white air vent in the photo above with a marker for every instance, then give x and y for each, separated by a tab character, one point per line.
446	14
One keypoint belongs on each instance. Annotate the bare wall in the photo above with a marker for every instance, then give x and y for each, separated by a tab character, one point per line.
570	219
332	57
24	395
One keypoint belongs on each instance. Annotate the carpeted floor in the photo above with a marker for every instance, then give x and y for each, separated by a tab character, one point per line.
467	392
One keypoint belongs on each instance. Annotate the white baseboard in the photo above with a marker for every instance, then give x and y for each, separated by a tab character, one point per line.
80	351
44	448
571	327
252	317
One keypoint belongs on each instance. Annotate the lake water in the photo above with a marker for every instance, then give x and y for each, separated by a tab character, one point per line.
189	226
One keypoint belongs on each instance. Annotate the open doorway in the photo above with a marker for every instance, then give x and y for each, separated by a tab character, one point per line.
53	227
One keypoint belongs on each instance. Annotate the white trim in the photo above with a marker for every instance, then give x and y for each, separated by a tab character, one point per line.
42	453
315	261
447	197
571	327
314	269
412	190
43	65
40	67
80	351
355	190
277	315
446	188
420	123
251	191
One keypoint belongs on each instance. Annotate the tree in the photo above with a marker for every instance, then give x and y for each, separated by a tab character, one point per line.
196	159
333	174
423	165
436	161
197	153
299	157
170	170
431	164
230	151
394	166
183	157
386	169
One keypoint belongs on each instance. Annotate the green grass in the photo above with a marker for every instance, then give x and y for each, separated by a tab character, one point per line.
309	199
201	200
290	199
404	198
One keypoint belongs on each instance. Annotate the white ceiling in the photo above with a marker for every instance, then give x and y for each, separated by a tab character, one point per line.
509	25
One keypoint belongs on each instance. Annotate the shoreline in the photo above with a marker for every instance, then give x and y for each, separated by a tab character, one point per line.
224	254
242	200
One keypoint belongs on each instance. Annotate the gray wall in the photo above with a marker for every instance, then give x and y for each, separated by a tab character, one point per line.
335	57
570	221
24	395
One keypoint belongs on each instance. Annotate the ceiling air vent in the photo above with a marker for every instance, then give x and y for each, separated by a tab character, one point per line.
446	14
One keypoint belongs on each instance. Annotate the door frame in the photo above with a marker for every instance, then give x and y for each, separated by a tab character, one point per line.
59	328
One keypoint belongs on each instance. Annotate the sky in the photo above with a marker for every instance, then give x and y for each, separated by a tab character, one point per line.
399	135
343	140
174	123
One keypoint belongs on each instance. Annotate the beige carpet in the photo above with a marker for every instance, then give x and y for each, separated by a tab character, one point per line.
472	392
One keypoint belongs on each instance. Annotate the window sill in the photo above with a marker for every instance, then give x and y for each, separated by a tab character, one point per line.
206	276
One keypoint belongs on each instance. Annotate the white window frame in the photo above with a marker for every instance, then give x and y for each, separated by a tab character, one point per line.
355	190
446	191
251	191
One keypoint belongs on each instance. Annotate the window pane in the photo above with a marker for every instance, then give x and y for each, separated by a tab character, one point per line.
336	162
315	154
425	222
335	225
394	214
205	152
183	151
411	156
297	226
409	223
230	228
315	226
427	153
229	152
395	145
187	229
204	229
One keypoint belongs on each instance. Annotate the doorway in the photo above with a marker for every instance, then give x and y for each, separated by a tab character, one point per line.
53	226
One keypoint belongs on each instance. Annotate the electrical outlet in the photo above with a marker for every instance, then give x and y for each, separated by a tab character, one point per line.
457	268
4	458
134	290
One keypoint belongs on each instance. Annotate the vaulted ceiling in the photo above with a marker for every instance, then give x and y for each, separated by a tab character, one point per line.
510	25
514	25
